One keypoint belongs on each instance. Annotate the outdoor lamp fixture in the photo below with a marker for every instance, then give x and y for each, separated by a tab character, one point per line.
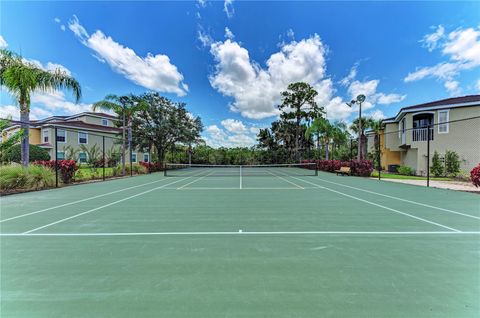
360	99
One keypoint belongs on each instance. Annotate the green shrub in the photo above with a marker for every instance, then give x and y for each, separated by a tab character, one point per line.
36	153
405	170
452	163
437	167
13	177
137	169
40	177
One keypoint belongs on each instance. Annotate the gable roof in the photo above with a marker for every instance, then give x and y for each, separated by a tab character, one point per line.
462	101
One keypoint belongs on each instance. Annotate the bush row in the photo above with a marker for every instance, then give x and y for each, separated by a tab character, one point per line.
152	167
362	168
35	177
67	168
475	176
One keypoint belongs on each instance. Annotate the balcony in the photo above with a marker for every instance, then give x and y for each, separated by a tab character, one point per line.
421	134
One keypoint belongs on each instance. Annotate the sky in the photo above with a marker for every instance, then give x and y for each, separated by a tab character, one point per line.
230	60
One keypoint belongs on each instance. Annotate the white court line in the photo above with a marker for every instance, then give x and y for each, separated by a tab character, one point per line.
381	206
243	188
196	180
296	185
401	199
78	201
103	206
366	233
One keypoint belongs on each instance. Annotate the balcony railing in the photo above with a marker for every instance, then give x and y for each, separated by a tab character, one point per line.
421	134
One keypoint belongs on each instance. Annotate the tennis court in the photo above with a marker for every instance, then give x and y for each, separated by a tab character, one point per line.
241	242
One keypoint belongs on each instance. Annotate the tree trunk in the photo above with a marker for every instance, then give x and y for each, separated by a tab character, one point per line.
297	140
327	153
123	145
25	142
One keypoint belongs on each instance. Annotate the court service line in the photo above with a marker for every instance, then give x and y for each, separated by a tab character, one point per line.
401	199
366	233
79	201
103	206
196	180
297	185
381	206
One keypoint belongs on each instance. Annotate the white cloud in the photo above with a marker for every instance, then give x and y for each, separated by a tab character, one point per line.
62	27
234	134
376	114
234	126
385	99
430	41
39	113
154	72
9	111
228	8
202	3
462	47
453	87
57	20
204	38
56	102
291	34
229	34
256	90
350	77
3	43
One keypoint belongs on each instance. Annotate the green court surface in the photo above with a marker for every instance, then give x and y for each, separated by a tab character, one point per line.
212	245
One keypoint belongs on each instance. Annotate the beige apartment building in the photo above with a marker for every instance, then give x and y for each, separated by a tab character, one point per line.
87	129
454	125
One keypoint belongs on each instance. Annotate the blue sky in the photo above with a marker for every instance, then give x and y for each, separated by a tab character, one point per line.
229	60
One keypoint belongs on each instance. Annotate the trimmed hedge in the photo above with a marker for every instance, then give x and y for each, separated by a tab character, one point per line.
361	168
475	176
36	153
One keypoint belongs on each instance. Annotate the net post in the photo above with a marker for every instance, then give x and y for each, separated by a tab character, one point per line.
165	170
379	157
428	155
56	158
316	170
103	157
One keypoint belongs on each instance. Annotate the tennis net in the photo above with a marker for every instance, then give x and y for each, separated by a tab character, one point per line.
200	170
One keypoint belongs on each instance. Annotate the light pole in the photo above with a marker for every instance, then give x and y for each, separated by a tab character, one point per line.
360	99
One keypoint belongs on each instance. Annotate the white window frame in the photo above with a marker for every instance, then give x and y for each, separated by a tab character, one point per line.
59	152
136	157
47	133
104	122
147	156
86	137
447	119
80	160
63	142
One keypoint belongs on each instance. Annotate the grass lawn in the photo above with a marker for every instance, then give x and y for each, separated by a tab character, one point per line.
387	175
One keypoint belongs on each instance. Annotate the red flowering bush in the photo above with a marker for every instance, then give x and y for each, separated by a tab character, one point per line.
67	168
475	176
362	168
152	167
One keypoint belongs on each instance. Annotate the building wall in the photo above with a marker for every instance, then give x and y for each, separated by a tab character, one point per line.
34	134
463	137
112	143
94	120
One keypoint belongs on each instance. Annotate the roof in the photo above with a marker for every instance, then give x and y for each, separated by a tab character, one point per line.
462	101
94	114
83	125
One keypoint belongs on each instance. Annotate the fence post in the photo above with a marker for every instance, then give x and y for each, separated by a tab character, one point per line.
131	163
56	158
351	149
428	155
379	157
103	160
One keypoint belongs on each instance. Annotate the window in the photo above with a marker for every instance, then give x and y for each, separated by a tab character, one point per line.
61	135
146	157
104	122
443	121
134	157
82	138
45	135
60	155
82	157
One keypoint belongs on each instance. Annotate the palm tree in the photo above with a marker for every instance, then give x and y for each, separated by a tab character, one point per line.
22	78
324	131
126	107
366	123
339	135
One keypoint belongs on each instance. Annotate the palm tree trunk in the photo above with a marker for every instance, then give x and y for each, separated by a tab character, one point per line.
327	154
123	145
25	125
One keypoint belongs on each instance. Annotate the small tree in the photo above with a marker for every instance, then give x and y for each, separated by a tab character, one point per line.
452	163
437	168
